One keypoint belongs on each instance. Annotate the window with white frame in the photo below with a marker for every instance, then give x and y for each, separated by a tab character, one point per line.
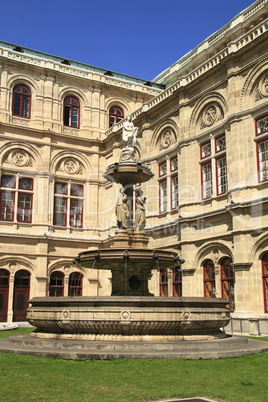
168	185
213	165
68	204
262	147
16	198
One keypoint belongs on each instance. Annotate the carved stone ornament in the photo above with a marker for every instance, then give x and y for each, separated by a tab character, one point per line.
262	90
20	158
167	138
210	115
71	166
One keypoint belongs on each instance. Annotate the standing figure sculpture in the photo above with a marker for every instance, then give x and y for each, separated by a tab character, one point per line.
129	134
139	222
122	212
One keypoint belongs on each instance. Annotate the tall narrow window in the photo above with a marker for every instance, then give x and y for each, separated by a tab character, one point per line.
221	165
21	101
16	197
68	204
168	185
174	183
56	285
262	147
71	114
265	281
176	283
209	279
163	283
213	180
75	284
115	115
227	282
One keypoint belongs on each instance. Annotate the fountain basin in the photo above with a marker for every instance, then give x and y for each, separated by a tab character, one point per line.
128	318
128	173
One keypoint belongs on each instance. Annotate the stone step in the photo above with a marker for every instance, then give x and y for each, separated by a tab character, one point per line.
28	341
113	352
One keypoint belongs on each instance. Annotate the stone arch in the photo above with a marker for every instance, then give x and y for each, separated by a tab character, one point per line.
72	91
165	135
117	102
20	155
255	87
259	248
209	110
14	264
70	163
22	79
65	266
214	251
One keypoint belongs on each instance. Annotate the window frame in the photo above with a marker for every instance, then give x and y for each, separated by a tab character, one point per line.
70	114
68	197
118	117
56	287
22	97
163	285
230	281
75	288
176	283
17	191
209	281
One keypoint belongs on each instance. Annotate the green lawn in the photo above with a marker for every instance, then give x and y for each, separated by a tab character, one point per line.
26	378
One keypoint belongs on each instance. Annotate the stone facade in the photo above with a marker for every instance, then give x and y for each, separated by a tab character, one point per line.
202	130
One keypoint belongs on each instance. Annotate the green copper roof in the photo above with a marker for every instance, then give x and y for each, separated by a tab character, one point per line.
83	66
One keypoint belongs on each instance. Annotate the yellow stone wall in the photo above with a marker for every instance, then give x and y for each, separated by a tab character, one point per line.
228	71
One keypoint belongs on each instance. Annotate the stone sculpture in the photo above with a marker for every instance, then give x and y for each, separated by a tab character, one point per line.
139	222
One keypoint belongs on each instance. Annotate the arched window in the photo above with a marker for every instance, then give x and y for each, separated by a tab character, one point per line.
115	115
75	284
71	113
209	279
21	104
227	282
56	286
265	281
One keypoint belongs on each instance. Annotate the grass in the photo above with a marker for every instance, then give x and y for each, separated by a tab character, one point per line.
28	378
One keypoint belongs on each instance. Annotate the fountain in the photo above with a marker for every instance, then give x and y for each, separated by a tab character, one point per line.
131	313
132	322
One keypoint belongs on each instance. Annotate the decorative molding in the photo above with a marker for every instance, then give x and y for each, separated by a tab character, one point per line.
241	266
188	272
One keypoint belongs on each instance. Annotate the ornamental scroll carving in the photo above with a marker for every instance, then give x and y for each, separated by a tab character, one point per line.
211	114
262	89
167	138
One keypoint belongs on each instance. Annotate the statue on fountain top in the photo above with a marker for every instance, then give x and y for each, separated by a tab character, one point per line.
129	137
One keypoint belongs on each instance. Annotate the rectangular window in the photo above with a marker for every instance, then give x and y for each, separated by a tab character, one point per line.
68	206
263	160
168	185
163	195
174	192
60	211
221	175
25	208
163	283
16	205
206	180
176	284
7	206
214	167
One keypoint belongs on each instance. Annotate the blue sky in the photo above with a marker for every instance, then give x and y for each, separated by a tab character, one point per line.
140	38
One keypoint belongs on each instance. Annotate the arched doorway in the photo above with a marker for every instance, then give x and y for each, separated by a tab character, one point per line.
21	295
227	282
4	291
